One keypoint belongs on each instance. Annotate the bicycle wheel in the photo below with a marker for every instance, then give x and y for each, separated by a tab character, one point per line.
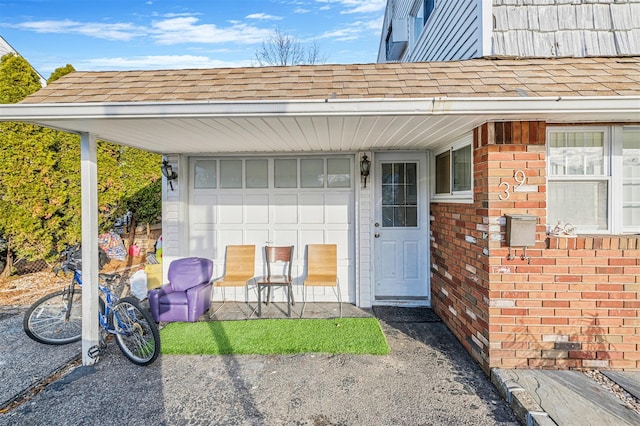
136	332
47	321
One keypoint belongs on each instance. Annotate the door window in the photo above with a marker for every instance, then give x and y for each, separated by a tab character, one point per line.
399	195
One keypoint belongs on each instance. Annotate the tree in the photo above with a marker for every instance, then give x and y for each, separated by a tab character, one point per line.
60	72
284	49
40	195
17	79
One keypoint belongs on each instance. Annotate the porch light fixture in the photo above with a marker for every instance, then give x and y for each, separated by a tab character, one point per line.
365	165
168	172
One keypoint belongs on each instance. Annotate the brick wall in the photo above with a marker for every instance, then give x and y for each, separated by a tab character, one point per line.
459	278
571	302
576	305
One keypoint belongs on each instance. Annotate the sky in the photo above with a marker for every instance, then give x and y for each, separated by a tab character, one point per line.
99	35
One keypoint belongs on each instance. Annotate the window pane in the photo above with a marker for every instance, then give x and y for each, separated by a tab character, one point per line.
387	217
576	154
462	169
387	173
412	195
583	204
257	173
443	173
398	196
286	173
205	171
230	173
312	173
631	178
412	216
399	217
398	173
387	195
339	172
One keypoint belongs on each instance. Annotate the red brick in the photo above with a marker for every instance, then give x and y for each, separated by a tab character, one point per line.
568	278
623	261
555	303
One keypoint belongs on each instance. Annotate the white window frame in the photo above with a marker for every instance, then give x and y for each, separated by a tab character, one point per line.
613	175
452	196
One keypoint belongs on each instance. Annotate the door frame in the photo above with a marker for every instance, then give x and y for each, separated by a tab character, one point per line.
424	216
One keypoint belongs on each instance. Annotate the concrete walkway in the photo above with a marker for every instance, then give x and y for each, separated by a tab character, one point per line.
565	398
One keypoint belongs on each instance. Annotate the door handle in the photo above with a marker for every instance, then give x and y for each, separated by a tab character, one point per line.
377	235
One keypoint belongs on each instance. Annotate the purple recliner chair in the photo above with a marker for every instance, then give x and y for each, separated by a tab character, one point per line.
188	293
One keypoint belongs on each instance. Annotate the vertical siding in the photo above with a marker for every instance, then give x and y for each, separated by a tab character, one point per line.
364	248
452	33
453	30
396	9
522	28
173	232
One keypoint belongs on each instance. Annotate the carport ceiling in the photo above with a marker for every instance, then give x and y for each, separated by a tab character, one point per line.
318	126
275	134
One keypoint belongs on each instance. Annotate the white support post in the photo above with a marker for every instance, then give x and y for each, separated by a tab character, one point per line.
89	179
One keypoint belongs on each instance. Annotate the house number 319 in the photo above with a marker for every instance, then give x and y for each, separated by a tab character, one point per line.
506	188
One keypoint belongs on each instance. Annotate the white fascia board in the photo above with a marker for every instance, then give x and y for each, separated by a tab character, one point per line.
510	107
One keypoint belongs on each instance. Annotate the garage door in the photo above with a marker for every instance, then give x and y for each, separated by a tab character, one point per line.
273	201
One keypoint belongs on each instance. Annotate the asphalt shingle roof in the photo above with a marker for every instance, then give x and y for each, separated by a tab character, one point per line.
615	76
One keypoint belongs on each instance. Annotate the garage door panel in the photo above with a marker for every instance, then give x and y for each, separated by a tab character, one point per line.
230	209
285	209
259	237
284	237
338	208
311	236
311	209
204	210
339	237
230	237
202	241
256	209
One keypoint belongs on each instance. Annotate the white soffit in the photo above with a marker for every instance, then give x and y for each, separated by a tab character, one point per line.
310	126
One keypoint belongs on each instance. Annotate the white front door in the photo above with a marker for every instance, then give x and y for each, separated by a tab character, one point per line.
401	229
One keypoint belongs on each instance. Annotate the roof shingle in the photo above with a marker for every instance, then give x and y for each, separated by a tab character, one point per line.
471	78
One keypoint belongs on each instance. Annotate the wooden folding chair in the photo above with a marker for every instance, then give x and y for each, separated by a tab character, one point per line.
322	270
239	266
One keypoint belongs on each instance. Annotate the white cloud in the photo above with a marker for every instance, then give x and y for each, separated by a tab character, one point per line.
354	30
157	62
358	6
264	17
107	31
177	29
187	30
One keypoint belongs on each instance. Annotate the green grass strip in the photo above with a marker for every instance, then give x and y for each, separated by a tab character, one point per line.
275	336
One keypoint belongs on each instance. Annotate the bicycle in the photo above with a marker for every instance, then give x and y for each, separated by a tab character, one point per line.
56	319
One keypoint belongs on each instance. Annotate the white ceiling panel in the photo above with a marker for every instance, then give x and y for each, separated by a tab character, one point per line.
308	126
